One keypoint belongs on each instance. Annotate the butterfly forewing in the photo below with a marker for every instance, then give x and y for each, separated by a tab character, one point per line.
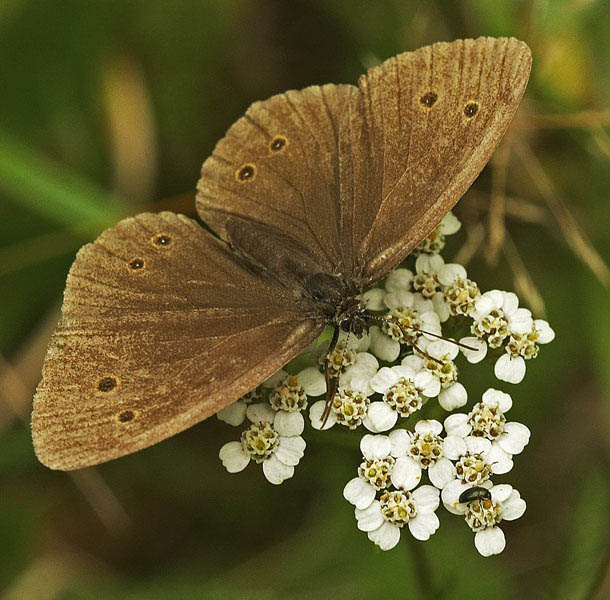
433	117
160	328
278	165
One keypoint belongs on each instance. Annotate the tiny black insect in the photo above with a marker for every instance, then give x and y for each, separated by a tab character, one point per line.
474	493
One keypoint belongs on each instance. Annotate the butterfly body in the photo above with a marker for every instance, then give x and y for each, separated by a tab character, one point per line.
310	198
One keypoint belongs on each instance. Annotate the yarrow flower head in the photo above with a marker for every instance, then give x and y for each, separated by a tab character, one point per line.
405	364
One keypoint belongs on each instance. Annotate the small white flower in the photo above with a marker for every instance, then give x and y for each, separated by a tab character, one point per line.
487	420
459	293
424	449
435	241
427	268
510	367
383	519
264	443
374	472
484	515
404	391
438	361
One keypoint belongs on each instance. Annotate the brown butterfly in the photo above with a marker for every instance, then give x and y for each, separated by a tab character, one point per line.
313	195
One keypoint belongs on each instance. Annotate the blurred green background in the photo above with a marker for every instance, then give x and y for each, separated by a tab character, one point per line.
108	108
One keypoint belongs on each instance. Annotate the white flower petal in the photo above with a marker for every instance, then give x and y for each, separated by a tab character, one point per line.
453	397
275	379
399	279
511	370
516	436
431	323
312	381
369	518
366	363
427	384
510	303
289	423
427	498
451	494
380	417
384	380
441	473
234	414
501	492
406	473
450	273
398	300
423	526
315	416
457	424
276	471
474	356
441	307
443	350
375	446
360	493
513	507
490	541
545	333
290	450
373	299
383	346
260	412
497	398
449	224
386	536
401	442
429	426
423	305
520	321
233	457
477	445
500	461
487	302
413	362
454	446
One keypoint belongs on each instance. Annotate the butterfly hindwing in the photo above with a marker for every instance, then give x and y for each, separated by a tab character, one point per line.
161	327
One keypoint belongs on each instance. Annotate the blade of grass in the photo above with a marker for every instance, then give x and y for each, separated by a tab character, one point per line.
52	191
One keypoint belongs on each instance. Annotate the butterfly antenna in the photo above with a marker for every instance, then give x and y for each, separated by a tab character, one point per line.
436	335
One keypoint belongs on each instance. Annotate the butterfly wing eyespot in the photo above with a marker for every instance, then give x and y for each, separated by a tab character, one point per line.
278	144
245	173
126	416
136	264
107	384
162	240
135	360
428	99
471	109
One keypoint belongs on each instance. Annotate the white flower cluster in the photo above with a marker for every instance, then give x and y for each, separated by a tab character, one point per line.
408	357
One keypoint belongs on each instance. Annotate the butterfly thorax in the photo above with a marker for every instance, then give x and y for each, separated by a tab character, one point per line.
337	300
